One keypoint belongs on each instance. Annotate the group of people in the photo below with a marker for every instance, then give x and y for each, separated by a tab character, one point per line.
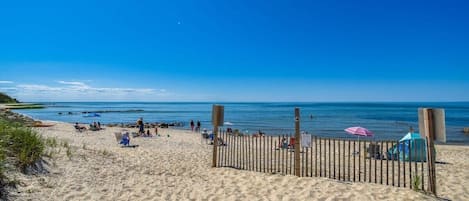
259	134
95	126
211	136
141	129
193	126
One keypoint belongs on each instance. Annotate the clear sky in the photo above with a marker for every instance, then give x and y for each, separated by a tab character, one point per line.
240	50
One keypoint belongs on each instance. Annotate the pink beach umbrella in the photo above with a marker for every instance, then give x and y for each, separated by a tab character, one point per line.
359	131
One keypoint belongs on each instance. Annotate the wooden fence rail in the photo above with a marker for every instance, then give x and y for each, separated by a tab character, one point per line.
394	163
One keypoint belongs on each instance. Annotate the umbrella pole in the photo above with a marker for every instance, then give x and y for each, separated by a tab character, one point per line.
357	152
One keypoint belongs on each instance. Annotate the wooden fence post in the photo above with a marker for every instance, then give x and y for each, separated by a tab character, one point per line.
297	142
429	131
217	120
215	145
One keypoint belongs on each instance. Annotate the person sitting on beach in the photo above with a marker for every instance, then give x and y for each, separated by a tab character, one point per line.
221	142
205	134
284	143
93	127
125	139
79	128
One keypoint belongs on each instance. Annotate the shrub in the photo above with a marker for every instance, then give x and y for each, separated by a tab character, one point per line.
21	143
2	161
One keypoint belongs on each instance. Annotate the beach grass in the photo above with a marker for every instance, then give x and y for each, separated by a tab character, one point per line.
2	162
21	143
21	149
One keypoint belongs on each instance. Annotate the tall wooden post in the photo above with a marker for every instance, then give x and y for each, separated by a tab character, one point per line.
429	135
217	120
297	142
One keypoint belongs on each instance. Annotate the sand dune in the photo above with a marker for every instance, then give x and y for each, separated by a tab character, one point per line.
179	168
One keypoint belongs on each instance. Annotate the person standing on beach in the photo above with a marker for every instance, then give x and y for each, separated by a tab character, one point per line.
192	125
197	129
140	126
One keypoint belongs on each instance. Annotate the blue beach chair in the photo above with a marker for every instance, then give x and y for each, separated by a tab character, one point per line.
124	139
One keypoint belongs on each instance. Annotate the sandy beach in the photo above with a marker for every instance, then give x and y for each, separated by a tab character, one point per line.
178	167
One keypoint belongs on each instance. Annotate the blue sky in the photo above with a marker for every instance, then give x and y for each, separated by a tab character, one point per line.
235	50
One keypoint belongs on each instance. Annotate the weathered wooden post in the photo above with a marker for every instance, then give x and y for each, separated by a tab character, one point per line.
217	120
297	142
428	130
432	126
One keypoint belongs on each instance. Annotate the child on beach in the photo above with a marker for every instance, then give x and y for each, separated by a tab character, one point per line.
148	134
125	139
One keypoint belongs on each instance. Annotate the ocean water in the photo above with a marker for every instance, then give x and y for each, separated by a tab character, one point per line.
386	120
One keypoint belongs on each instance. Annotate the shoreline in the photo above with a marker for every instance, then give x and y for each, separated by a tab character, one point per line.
152	125
329	119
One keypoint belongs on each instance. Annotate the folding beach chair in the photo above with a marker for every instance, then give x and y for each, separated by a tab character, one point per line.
124	140
118	136
374	151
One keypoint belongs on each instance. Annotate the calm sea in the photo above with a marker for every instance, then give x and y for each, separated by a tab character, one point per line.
386	120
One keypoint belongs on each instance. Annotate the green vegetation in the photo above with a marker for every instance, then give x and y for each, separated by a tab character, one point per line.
51	142
20	149
21	143
416	183
12	103
7	99
23	149
105	152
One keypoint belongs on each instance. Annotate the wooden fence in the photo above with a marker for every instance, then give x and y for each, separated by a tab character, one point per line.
383	162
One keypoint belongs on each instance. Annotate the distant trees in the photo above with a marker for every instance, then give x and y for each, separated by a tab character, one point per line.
7	99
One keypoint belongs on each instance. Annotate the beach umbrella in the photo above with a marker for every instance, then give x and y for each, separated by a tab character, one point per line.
359	131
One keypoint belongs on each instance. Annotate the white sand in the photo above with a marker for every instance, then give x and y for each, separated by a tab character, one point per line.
179	168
